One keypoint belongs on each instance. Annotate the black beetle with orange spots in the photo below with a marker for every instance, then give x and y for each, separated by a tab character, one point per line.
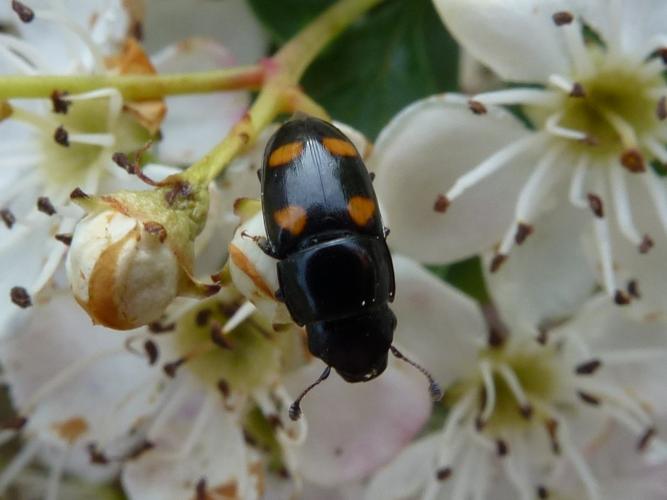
335	271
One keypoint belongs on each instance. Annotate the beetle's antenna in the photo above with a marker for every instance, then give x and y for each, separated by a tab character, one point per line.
433	387
295	408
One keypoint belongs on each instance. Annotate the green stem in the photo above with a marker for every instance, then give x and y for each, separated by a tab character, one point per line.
282	72
134	87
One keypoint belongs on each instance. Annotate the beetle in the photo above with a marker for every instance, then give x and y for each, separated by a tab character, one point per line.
335	271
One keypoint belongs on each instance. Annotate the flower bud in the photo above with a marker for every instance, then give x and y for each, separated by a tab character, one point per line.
131	256
253	272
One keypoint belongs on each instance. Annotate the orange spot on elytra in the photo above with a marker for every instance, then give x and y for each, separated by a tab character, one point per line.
72	429
361	209
292	218
285	154
339	147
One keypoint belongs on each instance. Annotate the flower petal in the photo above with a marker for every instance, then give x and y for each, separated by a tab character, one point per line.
517	39
174	467
231	22
214	113
407	474
438	324
371	423
547	277
419	156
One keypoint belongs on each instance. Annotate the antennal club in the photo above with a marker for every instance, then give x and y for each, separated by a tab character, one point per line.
433	387
295	408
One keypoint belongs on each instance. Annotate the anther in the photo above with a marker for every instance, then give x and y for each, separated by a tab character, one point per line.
562	18
497	261
501	448
203	316
218	337
142	448
44	205
646	244
25	13
633	161
522	232
588	398
476	107
7	217
61	136
152	352
441	204
526	411
96	456
60	103
180	189
64	238
274	421
577	90
542	492
661	108
662	52
200	490
588	367
20	297
14	424
223	387
157	327
479	423
156	229
551	426
646	438
134	167
171	368
621	298
443	473
77	194
633	289
496	337
596	205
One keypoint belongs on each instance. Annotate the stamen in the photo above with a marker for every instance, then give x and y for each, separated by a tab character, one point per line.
656	148
18	463
553	128
490	391
633	160
102	140
493	163
524	96
602	239
61	136
516	469
56	475
242	313
60	103
656	188
514	384
202	418
441	203
115	102
171	406
465	476
44	205
53	258
25	13
20	297
646	438
580	466
578	183
588	367
576	46
621	201
622	127
618	398
562	18
64	376
571	88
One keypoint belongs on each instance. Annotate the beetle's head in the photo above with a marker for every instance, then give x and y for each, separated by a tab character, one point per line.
356	347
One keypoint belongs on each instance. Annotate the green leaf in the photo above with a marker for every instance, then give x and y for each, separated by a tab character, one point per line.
465	275
398	53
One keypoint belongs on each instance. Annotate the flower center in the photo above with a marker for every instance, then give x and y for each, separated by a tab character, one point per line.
89	131
244	359
615	103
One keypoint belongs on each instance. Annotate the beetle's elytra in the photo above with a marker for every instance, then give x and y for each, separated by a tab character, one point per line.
323	224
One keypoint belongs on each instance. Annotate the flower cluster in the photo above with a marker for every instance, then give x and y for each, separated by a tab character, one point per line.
127	206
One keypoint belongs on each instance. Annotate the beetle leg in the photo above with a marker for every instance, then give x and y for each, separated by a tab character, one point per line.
372	176
278	294
386	232
259	174
262	243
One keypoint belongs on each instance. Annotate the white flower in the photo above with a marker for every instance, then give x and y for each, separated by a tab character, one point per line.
523	403
598	122
51	147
